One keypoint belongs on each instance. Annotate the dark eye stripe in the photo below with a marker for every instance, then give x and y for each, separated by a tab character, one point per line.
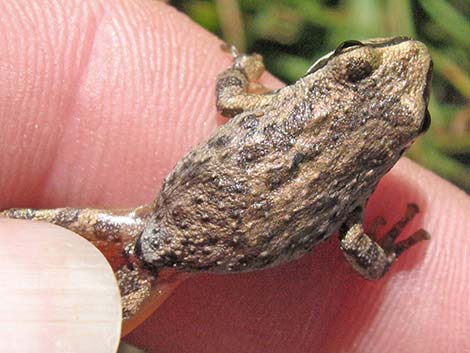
351	43
318	65
348	44
321	63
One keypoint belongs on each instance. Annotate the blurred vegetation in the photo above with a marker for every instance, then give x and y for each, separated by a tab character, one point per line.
292	34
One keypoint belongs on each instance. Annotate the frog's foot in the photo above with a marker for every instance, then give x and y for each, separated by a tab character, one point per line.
230	48
237	89
376	224
370	258
387	242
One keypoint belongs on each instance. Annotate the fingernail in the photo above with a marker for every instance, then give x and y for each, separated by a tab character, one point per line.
57	293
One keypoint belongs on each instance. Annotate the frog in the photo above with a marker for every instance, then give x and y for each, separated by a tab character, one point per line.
290	168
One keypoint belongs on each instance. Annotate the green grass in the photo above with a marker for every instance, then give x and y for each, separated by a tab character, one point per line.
291	34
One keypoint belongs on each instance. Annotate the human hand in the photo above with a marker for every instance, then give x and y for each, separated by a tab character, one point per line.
99	101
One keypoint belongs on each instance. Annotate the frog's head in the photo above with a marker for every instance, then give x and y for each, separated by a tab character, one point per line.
379	86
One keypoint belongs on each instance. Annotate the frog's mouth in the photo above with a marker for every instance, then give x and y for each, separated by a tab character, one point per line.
426	122
426	94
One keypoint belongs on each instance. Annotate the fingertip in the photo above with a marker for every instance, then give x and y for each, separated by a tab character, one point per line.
58	293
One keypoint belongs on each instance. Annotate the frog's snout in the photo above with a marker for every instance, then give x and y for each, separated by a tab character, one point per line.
427	88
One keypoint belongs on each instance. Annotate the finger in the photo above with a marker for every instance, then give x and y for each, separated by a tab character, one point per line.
58	293
107	97
141	134
97	107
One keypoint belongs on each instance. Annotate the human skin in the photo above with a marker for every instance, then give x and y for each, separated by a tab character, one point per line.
56	289
98	100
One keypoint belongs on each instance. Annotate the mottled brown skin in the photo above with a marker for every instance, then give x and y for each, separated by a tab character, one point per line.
291	166
289	169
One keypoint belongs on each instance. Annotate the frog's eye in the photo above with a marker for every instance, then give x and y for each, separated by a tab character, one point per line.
348	44
358	69
326	58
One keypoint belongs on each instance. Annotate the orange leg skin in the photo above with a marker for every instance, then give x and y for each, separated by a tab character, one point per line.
167	281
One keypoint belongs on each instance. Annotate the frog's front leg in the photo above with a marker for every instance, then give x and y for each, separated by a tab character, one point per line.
372	258
237	89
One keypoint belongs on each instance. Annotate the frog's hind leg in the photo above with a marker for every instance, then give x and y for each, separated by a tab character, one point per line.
95	225
114	233
237	89
372	258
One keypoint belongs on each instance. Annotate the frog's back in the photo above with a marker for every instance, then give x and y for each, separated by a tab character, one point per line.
277	179
266	187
